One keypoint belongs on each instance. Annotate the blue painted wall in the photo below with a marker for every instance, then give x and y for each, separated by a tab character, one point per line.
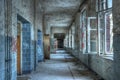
2	57
40	46
26	49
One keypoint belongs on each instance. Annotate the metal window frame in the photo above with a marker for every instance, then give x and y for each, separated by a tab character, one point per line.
99	38
106	52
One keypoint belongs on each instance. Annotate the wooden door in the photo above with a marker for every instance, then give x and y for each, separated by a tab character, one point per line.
18	55
18	49
47	47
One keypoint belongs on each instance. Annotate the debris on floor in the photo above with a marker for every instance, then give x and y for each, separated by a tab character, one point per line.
61	66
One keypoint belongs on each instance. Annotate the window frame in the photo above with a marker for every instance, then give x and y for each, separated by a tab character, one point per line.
106	5
111	35
73	36
83	30
99	37
103	13
89	36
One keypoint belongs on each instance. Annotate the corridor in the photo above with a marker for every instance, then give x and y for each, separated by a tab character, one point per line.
33	34
61	66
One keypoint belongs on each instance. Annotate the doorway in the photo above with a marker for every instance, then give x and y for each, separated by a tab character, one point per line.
60	40
47	46
25	57
60	43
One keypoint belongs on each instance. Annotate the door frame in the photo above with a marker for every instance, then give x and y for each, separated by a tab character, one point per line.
19	22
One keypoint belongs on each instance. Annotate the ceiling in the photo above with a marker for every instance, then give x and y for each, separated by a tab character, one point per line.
59	13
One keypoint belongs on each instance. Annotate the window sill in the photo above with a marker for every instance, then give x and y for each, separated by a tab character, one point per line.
110	57
94	53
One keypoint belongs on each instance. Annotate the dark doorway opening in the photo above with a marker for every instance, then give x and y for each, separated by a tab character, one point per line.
60	43
60	40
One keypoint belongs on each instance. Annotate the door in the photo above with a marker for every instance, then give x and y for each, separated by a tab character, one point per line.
19	48
47	47
18	55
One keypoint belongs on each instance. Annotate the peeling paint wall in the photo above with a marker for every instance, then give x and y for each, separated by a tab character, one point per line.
116	38
39	21
24	8
8	31
2	39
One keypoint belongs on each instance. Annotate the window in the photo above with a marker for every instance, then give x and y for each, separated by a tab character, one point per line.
105	26
70	41
92	35
101	32
83	31
108	30
109	3
73	36
103	5
67	40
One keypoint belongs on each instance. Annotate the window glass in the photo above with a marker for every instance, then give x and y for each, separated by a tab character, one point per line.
69	38
105	26
101	32
73	34
102	4
92	34
80	33
84	32
109	34
93	40
109	2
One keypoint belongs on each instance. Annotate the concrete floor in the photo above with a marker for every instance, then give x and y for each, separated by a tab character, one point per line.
61	66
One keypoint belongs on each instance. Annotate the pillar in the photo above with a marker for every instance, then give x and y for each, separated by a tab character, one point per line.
2	41
116	38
